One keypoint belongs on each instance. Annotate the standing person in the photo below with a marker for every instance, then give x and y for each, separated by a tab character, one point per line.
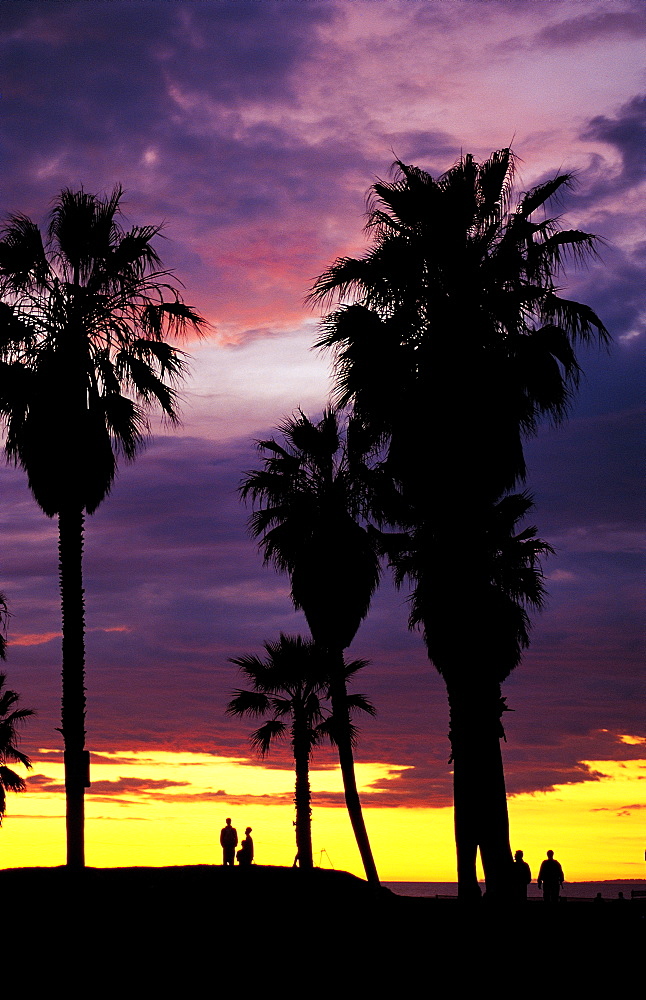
228	841
522	876
245	854
550	878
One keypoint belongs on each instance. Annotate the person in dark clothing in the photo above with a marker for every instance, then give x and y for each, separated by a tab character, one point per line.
522	876
245	854
228	842
550	878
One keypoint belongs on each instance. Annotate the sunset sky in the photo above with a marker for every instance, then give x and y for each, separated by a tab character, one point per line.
253	131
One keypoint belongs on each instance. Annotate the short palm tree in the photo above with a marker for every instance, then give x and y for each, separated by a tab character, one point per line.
308	500
292	681
476	623
84	313
10	718
452	342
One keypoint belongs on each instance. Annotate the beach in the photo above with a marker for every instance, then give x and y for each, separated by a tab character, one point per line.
177	927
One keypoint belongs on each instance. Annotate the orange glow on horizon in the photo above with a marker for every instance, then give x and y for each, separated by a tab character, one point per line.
160	808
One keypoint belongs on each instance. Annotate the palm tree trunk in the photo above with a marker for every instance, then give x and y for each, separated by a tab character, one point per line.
480	801
70	549
302	797
341	719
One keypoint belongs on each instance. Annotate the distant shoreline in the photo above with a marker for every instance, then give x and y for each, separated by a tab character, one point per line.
609	889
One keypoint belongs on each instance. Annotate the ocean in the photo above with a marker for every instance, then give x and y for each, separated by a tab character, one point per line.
573	890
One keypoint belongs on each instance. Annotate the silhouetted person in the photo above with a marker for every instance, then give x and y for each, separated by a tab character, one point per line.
598	898
245	854
522	876
550	878
229	842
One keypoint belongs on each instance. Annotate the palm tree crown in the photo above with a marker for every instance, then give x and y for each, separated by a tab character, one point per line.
10	719
83	317
309	498
503	582
290	682
453	319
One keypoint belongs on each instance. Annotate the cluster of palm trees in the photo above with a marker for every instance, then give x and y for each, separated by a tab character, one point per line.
451	343
293	681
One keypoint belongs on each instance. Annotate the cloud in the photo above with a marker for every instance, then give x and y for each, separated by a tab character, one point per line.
37	639
253	130
627	133
603	25
622	810
33	638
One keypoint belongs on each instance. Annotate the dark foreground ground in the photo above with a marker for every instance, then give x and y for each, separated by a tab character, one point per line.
189	931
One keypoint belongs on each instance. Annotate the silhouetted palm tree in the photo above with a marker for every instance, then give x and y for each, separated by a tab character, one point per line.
309	498
455	336
83	317
475	620
292	681
451	344
10	718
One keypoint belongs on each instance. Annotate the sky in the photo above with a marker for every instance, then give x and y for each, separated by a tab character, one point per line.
253	130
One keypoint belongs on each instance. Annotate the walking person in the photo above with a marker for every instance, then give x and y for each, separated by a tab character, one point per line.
522	877
228	842
550	878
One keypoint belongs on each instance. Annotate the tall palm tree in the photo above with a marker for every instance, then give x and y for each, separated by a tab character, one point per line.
451	331
292	681
451	344
84	312
308	499
10	718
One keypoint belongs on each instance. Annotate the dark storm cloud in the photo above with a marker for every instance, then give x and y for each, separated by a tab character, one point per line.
562	31
629	22
89	83
111	789
627	133
164	98
616	292
587	473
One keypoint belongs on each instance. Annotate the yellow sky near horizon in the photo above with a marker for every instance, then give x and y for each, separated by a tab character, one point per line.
161	808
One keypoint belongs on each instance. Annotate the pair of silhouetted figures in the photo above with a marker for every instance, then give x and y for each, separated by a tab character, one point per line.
550	877
229	842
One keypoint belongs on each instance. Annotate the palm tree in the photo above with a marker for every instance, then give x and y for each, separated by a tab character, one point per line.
292	681
308	501
10	718
486	603
455	321
452	343
84	313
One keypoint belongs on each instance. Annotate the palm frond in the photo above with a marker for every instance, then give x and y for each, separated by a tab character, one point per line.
359	703
262	738
248	703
